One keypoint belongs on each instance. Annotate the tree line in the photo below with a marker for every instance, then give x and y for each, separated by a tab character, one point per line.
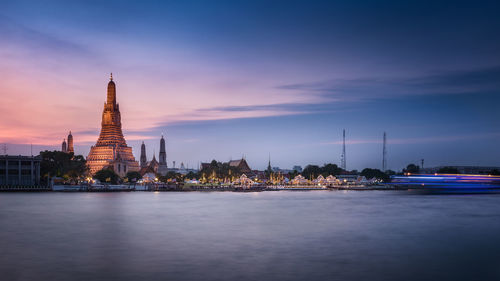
73	168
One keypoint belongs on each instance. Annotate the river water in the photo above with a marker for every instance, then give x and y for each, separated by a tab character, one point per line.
283	235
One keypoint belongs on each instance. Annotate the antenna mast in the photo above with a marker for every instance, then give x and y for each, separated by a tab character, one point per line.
342	158
384	155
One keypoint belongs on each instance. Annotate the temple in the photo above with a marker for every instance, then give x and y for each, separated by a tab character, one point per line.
68	147
64	148
242	165
154	166
162	167
143	159
70	143
111	150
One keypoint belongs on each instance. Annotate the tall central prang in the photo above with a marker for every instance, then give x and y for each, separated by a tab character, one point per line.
111	125
111	150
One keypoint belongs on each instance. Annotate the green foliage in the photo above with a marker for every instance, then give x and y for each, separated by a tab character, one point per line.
192	175
163	178
107	176
171	176
390	173
411	168
313	171
293	174
375	173
61	164
133	176
218	170
448	170
331	169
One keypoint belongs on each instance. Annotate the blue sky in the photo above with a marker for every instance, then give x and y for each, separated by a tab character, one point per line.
222	79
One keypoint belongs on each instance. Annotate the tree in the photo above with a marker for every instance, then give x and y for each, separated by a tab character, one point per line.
411	168
172	176
77	167
390	173
292	174
331	169
374	173
218	171
62	164
107	176
133	176
311	171
191	175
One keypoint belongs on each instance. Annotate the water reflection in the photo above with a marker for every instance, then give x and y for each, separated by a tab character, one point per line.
321	235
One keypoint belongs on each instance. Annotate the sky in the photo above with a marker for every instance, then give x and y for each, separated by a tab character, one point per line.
230	79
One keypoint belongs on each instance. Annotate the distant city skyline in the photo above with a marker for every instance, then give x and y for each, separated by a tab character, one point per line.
226	79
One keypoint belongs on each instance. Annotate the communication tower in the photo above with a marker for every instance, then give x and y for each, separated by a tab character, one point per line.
343	157
384	154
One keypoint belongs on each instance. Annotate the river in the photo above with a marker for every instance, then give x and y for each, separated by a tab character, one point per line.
282	235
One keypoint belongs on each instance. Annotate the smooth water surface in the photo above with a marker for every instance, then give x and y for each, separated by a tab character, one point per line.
316	235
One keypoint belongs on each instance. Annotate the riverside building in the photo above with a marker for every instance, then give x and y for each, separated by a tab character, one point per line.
19	170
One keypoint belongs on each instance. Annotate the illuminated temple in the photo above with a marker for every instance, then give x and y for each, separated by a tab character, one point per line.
111	150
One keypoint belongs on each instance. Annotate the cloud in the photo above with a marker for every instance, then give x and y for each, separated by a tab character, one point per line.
236	112
358	89
33	42
298	108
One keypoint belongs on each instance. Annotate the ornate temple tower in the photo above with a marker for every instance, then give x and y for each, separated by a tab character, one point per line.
63	146
162	168
111	149
70	143
144	159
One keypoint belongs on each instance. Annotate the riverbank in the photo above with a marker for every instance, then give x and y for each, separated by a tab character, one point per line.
175	188
5	188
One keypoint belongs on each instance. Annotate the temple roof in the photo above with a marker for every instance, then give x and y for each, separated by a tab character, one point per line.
235	163
154	161
240	164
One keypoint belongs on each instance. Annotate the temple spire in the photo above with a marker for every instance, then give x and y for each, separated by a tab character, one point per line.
64	148
269	168
162	169
143	159
111	101
69	147
111	142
